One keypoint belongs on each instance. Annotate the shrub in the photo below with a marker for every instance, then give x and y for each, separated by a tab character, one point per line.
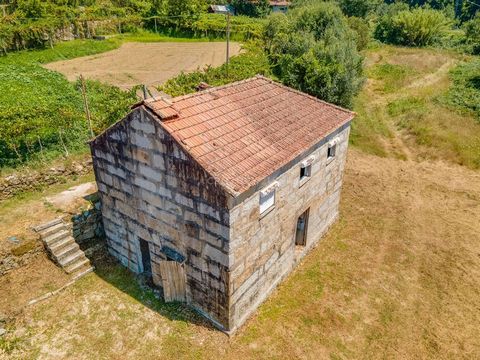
464	94
418	27
359	8
259	8
246	65
314	50
472	33
362	31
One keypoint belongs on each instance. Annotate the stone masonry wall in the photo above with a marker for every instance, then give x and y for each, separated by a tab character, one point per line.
263	247
151	190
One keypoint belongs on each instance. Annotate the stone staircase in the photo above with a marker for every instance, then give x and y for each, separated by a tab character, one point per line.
57	238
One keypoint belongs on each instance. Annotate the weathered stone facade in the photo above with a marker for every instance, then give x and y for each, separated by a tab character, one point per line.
153	190
263	246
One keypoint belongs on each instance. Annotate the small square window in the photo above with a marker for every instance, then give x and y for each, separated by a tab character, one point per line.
305	172
267	201
331	151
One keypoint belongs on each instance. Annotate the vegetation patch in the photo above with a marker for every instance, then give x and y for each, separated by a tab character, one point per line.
42	114
248	64
392	77
464	94
408	105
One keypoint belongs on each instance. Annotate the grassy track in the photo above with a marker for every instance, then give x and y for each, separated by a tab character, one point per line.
402	110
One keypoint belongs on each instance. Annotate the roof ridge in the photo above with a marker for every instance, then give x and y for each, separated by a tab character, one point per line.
215	88
305	94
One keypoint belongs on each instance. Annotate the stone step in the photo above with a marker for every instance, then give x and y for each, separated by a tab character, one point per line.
81	272
67	252
52	229
78	265
59	245
47	225
54	238
68	260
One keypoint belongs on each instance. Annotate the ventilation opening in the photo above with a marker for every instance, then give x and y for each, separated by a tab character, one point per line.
302	227
145	252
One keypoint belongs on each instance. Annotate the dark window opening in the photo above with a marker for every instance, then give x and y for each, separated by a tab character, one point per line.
301	231
305	171
145	251
331	151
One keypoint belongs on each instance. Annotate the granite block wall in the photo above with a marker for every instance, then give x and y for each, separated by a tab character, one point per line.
263	245
151	189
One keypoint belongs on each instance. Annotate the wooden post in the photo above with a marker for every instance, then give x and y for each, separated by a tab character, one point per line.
85	104
155	21
228	40
41	147
63	143
145	93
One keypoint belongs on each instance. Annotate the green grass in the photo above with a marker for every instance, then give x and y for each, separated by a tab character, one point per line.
391	76
148	36
61	51
464	94
413	108
369	127
40	110
408	105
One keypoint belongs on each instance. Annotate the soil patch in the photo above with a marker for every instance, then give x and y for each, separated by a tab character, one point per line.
145	63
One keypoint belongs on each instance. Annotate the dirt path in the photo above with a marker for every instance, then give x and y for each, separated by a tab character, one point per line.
433	78
145	63
397	278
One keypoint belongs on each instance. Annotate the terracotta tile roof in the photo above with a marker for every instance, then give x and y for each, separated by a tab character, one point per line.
242	132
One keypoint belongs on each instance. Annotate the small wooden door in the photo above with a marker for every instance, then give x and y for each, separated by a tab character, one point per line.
173	281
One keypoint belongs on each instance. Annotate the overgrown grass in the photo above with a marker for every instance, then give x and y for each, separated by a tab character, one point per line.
410	108
464	94
61	51
391	76
42	114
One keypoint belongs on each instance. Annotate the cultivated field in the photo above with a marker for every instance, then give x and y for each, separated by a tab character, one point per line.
145	63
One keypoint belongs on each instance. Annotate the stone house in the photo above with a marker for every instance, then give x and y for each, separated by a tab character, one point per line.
216	195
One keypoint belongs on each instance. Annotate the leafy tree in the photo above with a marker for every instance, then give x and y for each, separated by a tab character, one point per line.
359	8
417	27
472	33
259	8
314	50
184	11
362	31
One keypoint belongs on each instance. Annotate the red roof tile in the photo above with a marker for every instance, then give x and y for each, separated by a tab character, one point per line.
242	132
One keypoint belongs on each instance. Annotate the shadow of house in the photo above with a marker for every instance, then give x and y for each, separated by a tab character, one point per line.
141	288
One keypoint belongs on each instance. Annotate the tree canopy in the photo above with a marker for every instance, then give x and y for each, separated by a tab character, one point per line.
314	50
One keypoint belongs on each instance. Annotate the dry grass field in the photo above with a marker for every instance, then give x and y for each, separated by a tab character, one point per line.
137	63
395	278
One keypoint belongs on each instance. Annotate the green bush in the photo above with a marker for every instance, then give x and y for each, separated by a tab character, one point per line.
313	49
417	27
464	94
359	8
246	65
362	31
472	33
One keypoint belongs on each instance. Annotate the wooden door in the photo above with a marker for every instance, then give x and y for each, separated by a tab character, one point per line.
173	281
